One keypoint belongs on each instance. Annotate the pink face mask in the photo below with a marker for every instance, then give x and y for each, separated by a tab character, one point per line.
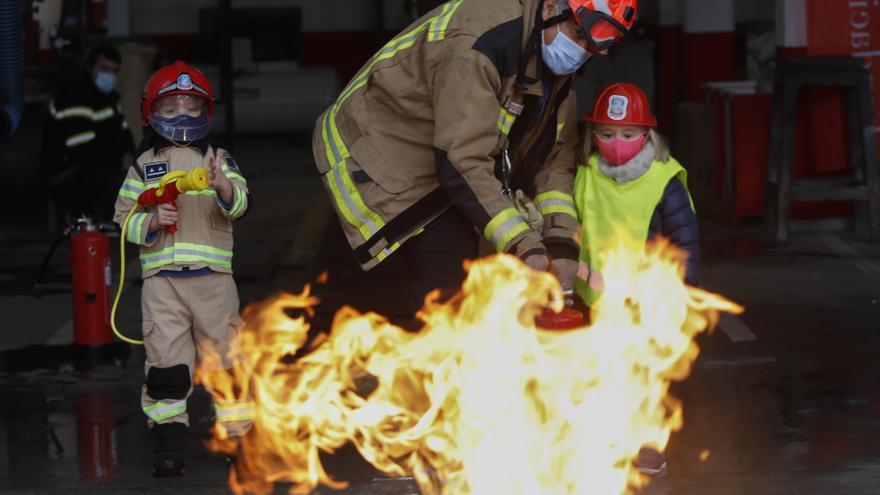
617	151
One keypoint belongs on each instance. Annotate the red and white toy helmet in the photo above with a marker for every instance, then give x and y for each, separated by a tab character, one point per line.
178	79
623	104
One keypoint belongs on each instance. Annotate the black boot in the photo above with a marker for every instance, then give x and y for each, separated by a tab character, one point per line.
170	449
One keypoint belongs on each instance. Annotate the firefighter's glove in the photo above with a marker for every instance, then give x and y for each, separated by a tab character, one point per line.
529	211
537	262
565	270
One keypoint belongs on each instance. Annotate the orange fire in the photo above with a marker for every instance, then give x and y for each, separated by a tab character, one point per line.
480	401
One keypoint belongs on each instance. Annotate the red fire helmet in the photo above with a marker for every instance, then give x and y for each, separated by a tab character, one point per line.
623	104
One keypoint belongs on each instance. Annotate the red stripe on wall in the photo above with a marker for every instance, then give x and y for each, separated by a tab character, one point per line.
669	62
706	57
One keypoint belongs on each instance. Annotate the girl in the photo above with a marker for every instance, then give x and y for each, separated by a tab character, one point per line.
628	181
629	184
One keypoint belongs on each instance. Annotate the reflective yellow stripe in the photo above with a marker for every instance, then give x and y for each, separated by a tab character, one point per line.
103	114
129	194
438	25
135	230
184	252
78	139
559	128
206	192
231	174
238	201
81	112
165	410
504	227
345	194
505	121
131	189
235	411
556	202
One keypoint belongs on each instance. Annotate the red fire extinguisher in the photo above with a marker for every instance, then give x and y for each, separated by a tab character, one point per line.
92	278
96	435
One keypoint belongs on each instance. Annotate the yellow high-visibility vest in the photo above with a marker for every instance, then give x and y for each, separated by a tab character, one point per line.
612	213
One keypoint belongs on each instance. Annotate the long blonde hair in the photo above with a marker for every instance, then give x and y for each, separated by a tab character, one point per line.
661	147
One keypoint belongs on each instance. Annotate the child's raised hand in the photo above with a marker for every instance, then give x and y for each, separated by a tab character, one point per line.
218	181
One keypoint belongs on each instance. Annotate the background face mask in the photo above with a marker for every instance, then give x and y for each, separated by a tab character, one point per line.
563	56
105	81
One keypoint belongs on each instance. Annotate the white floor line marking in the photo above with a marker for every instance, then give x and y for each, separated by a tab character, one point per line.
62	336
736	329
735	362
841	247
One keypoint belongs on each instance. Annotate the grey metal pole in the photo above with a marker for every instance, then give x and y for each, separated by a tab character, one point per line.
224	25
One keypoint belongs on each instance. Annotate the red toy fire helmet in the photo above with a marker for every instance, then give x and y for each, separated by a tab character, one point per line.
175	80
623	104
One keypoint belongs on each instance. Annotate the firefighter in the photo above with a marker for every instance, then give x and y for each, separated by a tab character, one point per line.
87	144
431	142
189	298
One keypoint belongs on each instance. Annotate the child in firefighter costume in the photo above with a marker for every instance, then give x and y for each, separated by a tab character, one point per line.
628	184
189	298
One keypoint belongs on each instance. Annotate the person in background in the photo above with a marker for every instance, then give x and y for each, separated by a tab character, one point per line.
87	144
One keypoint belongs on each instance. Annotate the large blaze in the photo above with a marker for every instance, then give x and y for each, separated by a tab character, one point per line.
480	401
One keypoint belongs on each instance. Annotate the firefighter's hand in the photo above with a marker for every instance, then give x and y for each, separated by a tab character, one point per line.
565	270
218	181
165	215
537	262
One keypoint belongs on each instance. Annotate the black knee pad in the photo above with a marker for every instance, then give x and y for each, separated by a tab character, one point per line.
168	383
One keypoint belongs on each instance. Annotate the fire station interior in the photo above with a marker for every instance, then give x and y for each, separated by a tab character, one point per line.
770	106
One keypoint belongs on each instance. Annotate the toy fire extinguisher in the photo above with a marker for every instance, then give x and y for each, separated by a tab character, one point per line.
92	278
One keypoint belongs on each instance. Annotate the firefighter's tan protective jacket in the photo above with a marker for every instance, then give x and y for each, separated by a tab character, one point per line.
423	126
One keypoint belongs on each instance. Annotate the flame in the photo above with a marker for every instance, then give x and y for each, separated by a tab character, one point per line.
480	401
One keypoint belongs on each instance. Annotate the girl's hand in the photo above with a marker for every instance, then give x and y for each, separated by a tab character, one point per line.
593	278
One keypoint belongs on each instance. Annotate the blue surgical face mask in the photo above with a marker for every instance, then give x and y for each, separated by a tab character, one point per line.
563	56
106	82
